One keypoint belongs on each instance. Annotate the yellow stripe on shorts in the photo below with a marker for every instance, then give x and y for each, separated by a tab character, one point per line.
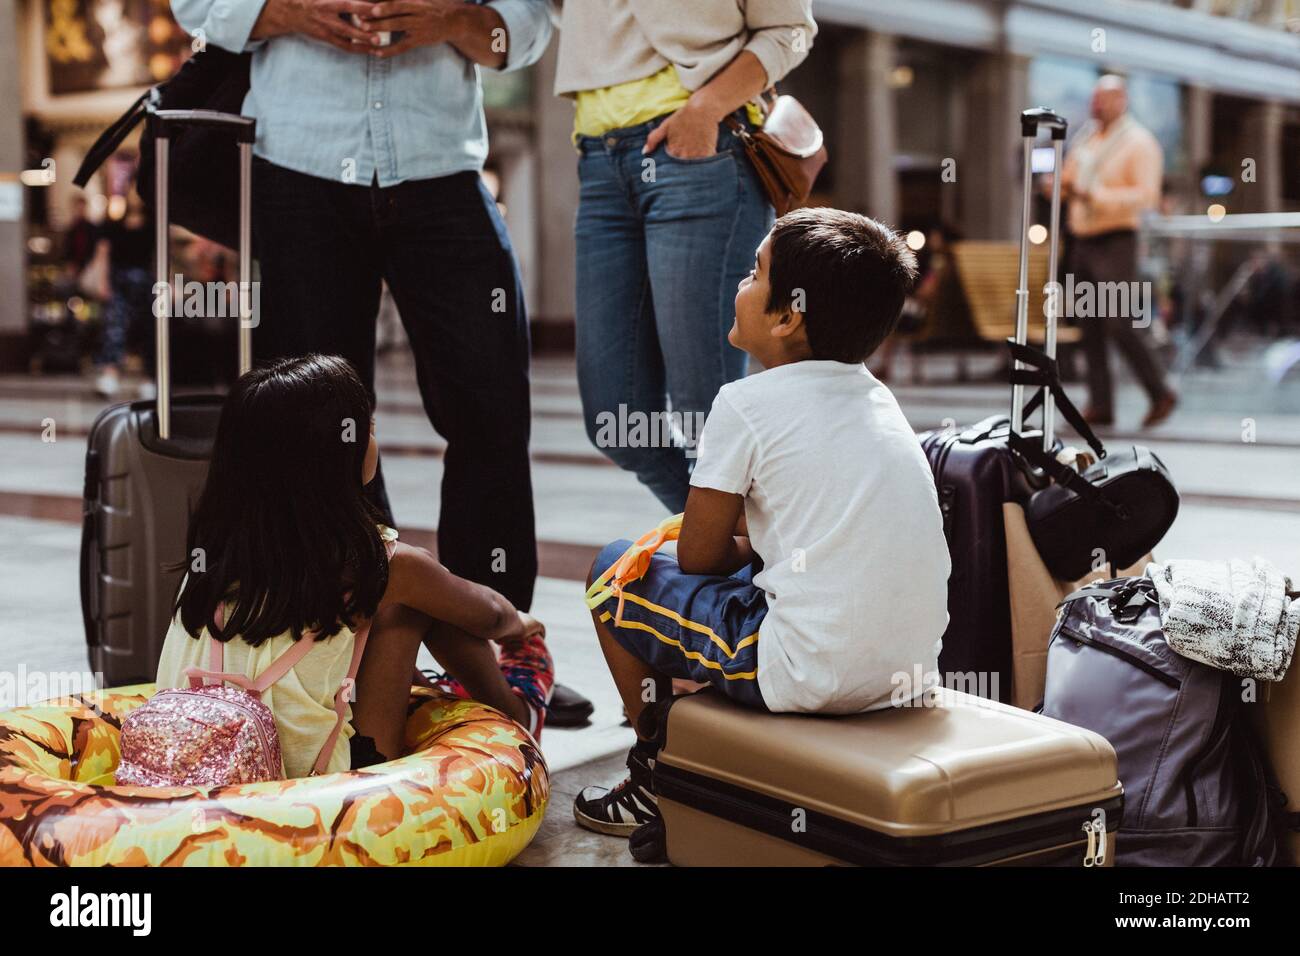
693	655
692	625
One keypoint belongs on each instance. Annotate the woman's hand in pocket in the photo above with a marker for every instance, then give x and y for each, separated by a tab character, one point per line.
689	133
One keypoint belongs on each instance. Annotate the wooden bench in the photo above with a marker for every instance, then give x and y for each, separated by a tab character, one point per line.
989	272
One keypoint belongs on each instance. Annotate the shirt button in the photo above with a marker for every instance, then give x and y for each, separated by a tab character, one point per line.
379	104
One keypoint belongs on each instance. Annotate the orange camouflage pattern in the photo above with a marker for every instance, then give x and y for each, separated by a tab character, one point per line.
471	792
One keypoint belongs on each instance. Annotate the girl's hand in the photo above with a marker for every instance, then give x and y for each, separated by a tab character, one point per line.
530	626
524	627
690	133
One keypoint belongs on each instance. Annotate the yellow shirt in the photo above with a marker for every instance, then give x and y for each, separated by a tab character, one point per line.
635	102
302	701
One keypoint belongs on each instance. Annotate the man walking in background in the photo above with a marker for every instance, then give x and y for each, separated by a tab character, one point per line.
1111	177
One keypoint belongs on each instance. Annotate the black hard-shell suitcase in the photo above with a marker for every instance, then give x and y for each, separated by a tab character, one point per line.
976	472
146	461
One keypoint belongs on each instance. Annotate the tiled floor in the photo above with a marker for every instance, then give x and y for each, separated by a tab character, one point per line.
1239	498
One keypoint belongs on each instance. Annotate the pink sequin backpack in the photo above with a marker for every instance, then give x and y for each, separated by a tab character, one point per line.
212	735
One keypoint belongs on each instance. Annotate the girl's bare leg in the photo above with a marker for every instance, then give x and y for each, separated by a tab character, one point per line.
384	680
473	662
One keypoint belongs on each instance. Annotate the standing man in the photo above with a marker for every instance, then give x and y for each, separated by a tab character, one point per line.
367	170
1111	177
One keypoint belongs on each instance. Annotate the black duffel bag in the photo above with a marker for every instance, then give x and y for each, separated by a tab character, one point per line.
1115	511
204	178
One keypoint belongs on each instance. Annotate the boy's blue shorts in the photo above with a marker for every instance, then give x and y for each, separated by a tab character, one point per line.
700	627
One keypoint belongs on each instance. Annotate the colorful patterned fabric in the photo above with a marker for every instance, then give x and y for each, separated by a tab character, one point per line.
471	792
528	668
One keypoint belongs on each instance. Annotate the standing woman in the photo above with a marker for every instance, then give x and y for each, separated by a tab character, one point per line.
670	211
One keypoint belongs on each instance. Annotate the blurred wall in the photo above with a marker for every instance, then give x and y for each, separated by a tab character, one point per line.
13	320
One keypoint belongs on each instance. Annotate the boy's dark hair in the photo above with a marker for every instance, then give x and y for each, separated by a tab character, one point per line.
282	523
851	274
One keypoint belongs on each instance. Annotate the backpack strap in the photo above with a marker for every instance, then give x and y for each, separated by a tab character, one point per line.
344	694
216	671
285	663
342	698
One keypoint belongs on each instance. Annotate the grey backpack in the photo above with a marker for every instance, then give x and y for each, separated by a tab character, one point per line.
1197	791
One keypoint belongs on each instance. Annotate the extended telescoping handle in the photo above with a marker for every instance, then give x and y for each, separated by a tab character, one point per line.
244	131
1030	122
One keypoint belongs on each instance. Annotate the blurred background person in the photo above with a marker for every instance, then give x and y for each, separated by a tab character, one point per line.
78	241
937	309
1111	177
125	250
670	212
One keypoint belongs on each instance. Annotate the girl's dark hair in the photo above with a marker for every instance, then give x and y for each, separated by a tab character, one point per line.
281	526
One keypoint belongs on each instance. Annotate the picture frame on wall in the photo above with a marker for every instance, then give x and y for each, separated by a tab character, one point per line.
99	45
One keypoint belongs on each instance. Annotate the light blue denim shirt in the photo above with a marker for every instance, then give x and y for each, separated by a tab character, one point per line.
349	116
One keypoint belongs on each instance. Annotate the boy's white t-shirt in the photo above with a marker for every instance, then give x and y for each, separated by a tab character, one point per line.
842	508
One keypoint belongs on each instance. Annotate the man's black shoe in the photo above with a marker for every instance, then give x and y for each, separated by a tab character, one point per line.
568	708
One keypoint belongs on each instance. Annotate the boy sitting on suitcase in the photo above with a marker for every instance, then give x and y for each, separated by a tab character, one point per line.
811	570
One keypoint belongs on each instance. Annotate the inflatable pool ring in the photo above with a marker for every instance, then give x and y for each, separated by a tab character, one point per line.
470	791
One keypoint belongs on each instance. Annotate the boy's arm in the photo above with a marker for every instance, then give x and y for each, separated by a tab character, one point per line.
708	543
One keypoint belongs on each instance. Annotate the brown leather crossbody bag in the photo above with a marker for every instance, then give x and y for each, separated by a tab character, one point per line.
787	152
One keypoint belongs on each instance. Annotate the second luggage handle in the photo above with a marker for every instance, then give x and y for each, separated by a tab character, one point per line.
1031	121
244	130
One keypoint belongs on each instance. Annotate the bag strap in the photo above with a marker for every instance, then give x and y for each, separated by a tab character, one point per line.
112	138
1045	372
1127	597
343	695
1059	472
216	671
765	101
1092	590
342	698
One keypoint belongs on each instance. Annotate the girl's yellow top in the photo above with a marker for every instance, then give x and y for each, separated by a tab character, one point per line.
302	701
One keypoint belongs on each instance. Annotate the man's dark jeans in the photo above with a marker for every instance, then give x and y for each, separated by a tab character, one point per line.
1112	257
440	244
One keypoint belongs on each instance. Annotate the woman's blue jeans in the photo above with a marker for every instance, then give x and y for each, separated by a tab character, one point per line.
661	245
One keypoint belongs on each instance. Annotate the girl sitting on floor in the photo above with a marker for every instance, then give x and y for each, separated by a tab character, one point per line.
283	543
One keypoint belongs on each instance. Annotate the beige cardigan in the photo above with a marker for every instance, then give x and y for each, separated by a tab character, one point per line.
605	42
